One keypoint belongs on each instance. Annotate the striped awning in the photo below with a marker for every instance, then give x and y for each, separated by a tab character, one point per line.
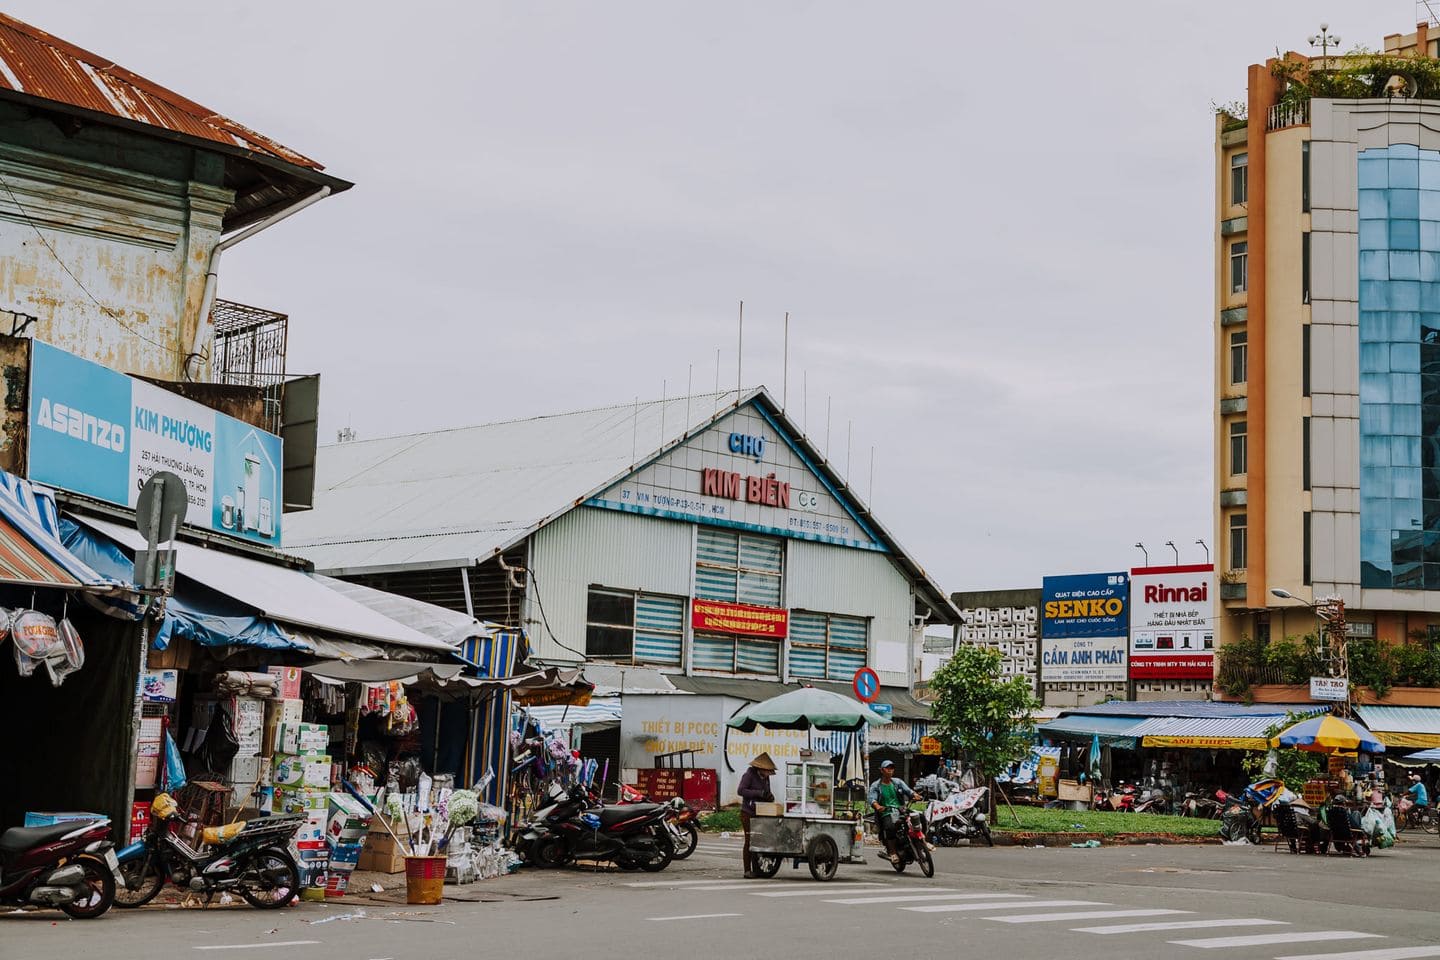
1402	726
1113	731
1207	733
31	553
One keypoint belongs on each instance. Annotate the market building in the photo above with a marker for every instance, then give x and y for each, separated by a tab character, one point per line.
701	551
1327	286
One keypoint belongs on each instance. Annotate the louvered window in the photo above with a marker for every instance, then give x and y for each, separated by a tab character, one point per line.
825	646
626	627
735	654
739	567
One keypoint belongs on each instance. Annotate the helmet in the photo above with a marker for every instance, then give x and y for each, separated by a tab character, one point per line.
164	806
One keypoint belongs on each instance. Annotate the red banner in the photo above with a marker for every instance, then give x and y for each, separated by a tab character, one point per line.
1171	666
713	616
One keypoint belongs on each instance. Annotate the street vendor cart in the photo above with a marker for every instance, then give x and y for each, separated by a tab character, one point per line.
805	829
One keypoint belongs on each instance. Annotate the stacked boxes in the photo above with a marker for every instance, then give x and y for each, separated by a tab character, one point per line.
382	853
348	823
301	771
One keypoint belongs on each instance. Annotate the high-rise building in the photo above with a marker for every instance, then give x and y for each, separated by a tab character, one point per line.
1327	341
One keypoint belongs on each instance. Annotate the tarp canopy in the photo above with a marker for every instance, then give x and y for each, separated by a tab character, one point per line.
1402	726
382	671
805	708
1217	733
1424	756
1112	731
31	551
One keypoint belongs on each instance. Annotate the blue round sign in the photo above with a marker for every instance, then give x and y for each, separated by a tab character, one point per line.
867	684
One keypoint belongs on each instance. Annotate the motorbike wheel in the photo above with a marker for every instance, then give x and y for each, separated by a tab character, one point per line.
550	854
688	839
98	892
899	863
984	829
277	880
144	879
922	857
1252	832
1430	821
665	852
766	865
824	857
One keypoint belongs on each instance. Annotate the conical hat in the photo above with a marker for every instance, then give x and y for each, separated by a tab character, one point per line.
763	762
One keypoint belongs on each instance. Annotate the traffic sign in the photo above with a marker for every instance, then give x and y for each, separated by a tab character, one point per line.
867	684
162	505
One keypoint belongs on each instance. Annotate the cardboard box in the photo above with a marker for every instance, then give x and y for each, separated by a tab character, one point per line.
336	884
382	854
312	851
349	821
303	739
1074	790
161	686
344	857
310	772
769	809
313	828
301	799
287	682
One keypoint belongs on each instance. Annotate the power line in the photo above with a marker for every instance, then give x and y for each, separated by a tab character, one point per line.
83	289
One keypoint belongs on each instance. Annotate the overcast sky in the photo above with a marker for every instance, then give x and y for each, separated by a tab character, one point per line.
991	223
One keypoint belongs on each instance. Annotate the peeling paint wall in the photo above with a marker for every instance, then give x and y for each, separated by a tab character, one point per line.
106	243
14	422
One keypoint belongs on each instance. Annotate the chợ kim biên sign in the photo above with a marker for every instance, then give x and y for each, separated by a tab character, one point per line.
99	433
1083	628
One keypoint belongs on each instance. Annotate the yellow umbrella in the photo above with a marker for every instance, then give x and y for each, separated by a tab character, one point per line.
1328	734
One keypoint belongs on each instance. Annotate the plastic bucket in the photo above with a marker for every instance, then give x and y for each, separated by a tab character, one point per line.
424	880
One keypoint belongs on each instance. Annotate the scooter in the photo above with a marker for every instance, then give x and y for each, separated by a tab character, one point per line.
1199	805
1153	800
249	857
71	866
632	836
907	832
961	816
680	822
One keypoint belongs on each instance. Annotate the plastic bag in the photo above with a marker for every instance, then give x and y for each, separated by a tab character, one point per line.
174	766
1379	825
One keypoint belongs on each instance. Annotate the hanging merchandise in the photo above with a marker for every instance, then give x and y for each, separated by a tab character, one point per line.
39	639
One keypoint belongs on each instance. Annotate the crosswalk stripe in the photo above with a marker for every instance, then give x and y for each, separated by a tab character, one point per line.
1178	925
1387	953
1082	915
1259	940
717	886
695	916
813	892
695	883
913	898
958	907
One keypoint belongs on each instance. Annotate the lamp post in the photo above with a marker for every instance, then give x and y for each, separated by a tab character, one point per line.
1171	545
1325	40
1330	611
1206	547
1141	548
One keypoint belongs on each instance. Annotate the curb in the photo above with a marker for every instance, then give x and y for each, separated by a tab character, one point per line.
1027	839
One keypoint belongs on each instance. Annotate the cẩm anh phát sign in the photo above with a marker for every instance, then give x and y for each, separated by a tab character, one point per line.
1084	628
100	433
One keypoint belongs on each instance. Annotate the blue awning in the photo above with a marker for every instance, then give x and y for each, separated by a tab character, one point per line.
1113	731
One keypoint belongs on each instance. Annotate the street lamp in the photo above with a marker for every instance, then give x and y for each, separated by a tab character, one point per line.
1330	611
1171	545
1203	544
1325	40
1141	548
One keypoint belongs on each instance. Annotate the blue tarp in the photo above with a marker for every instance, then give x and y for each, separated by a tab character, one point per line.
195	612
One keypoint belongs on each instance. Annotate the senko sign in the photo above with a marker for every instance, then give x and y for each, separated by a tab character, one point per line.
102	434
1084	628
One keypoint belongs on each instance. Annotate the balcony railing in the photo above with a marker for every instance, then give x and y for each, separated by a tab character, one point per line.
250	351
1284	115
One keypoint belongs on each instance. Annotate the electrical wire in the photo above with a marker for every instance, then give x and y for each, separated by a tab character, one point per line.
83	289
546	620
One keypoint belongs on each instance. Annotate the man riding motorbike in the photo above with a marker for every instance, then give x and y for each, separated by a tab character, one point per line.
888	797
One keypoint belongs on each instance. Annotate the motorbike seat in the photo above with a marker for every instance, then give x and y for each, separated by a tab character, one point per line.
19	839
610	816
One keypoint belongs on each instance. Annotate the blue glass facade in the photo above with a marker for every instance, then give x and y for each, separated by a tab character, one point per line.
1400	367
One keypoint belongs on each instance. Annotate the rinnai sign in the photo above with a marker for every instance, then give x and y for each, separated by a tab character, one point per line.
766	491
1172	623
712	616
100	433
1083	628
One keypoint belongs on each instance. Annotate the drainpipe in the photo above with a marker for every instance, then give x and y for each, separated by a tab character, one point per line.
207	301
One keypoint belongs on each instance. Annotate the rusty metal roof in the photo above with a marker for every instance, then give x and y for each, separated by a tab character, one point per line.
34	63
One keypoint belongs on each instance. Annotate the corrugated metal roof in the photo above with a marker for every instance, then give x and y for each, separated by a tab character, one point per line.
1186	708
1400	719
1086	725
36	64
1249	727
457	497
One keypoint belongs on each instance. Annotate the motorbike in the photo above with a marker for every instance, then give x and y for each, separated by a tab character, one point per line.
71	866
906	829
1153	800
1410	814
1120	800
632	836
1242	817
248	857
680	822
960	816
1199	805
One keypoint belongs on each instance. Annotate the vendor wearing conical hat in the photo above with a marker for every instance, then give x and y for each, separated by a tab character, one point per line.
754	787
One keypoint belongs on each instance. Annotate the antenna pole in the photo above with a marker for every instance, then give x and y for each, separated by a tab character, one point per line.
805	403
785	377
635	432
871	494
827	427
716	394
740	356
689	392
849	437
664	390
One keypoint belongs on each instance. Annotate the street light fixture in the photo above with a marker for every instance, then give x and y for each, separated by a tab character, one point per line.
1206	547
1171	545
1141	548
1330	611
1325	40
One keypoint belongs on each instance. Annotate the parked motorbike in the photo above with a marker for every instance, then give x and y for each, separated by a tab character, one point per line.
680	822
1199	805
248	857
907	832
960	816
1153	800
71	866
632	836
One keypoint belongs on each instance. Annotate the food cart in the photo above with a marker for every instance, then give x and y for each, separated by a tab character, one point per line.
803	828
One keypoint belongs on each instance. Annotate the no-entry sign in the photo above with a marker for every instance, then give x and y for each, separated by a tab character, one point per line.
867	684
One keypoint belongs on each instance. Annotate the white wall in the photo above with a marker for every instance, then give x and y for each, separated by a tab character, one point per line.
861	583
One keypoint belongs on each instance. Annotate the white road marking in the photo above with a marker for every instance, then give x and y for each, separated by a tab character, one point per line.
695	916
1389	953
1261	940
735	885
907	898
957	907
823	890
693	883
1179	925
256	946
1082	915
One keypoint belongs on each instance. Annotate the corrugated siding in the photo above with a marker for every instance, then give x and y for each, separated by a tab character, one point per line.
659	629
856	583
605	547
1400	719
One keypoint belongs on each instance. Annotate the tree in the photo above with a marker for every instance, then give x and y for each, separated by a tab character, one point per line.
1291	765
985	715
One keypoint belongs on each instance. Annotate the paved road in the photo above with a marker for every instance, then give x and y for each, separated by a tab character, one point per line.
1115	903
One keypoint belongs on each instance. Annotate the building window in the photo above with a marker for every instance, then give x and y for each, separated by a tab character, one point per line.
733	654
1238	449
1305	177
1305	563
824	646
1239	350
1238	545
627	627
1239	177
1239	267
1305	360
1305	453
738	567
1305	267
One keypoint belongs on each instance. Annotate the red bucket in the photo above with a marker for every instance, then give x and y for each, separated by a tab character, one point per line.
424	880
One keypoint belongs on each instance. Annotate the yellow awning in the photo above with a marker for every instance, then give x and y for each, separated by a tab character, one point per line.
1207	743
1393	738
